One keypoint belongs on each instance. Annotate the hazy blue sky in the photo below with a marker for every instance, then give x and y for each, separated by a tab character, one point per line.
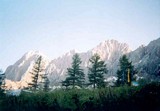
57	26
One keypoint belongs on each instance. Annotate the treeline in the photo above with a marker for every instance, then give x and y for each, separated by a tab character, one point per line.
97	70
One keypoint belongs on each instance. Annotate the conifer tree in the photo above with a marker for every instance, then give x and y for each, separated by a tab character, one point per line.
66	82
96	71
36	73
2	83
125	71
45	82
75	73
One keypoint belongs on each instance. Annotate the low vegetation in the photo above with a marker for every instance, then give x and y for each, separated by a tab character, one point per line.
141	98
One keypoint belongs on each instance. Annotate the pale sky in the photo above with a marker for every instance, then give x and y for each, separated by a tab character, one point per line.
56	26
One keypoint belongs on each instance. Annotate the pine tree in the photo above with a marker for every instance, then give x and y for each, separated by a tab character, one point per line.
66	82
36	73
125	71
75	73
45	82
96	71
2	82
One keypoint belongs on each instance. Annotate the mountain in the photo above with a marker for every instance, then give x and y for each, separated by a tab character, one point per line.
110	51
145	59
20	71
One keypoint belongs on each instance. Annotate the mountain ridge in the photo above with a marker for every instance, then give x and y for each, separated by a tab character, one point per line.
110	51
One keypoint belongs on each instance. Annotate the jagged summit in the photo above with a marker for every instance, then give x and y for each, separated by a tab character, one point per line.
111	44
36	53
108	42
155	42
109	48
71	52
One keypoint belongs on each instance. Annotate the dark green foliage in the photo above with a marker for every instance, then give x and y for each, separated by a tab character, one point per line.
66	83
75	73
146	98
96	71
2	82
122	72
36	72
45	82
46	85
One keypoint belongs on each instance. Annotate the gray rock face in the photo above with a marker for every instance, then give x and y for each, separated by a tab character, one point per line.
146	58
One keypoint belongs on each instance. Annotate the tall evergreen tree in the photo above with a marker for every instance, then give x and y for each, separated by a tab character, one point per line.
66	82
2	83
45	82
125	71
96	71
75	73
36	73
